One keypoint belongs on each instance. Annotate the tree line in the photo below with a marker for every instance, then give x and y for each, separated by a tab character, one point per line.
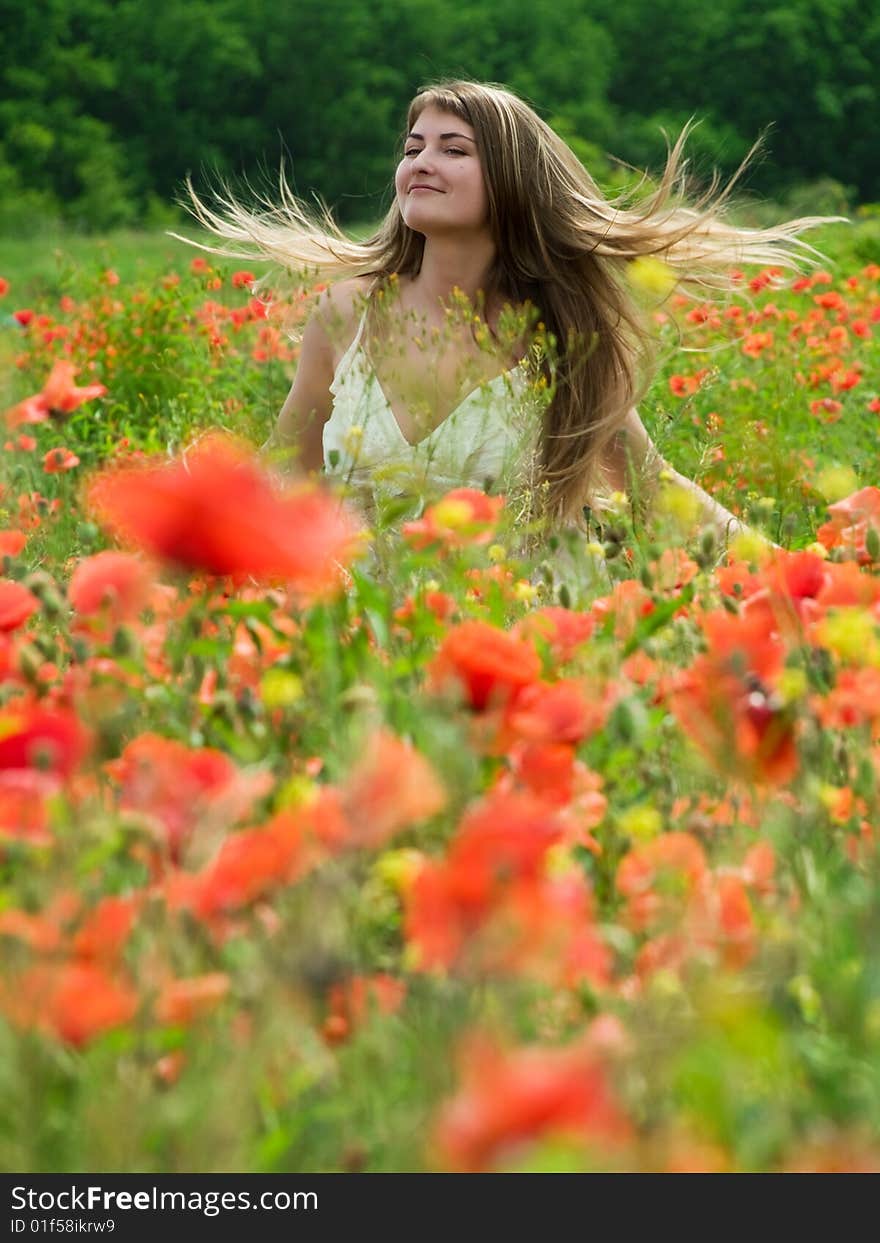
106	105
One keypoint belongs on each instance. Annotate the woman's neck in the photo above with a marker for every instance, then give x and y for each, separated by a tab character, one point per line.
447	266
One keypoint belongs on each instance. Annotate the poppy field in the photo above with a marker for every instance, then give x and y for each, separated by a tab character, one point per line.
434	844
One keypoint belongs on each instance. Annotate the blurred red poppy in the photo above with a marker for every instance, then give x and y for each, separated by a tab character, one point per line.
563	630
392	787
179	787
12	542
104	931
59	396
17	604
727	704
56	461
75	1001
51	740
24	805
183	1001
113	583
508	1099
488	663
850	522
214	509
60	393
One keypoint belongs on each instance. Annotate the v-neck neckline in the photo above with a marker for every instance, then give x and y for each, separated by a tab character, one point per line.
415	444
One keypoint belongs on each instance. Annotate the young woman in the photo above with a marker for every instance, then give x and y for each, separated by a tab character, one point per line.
487	333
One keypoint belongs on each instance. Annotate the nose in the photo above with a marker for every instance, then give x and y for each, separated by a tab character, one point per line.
424	161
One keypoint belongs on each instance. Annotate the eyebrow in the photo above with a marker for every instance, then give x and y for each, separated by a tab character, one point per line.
443	137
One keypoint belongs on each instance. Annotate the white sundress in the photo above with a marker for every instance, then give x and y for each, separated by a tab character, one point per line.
489	441
481	444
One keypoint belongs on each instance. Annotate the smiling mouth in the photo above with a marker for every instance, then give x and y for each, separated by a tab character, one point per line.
414	189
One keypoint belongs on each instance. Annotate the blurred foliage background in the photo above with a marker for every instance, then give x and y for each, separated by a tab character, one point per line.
106	105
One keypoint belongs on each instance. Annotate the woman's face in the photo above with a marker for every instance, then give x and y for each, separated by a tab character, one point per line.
439	181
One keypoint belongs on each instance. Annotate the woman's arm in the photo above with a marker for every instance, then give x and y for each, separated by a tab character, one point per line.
296	442
633	465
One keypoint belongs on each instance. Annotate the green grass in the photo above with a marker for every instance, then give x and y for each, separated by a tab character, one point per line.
42	268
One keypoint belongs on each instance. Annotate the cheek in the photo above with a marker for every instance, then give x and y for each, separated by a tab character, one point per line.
476	183
400	176
478	190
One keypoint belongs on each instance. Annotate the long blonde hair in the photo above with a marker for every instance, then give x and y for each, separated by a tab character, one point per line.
561	246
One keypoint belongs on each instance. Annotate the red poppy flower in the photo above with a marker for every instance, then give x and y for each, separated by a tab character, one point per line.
114	583
827	409
16	604
546	769
61	395
216	510
755	343
628	602
103	934
181	1002
491	906
735	935
392	787
31	410
50	740
561	711
24	810
562	629
59	460
687	385
179	786
726	701
850	521
251	863
798	577
76	1002
12	542
488	663
438	603
847	584
508	1099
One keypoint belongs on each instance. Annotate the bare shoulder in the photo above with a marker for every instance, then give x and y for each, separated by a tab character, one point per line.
346	295
338	310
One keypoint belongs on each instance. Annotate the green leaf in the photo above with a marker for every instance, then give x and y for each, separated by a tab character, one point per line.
262	610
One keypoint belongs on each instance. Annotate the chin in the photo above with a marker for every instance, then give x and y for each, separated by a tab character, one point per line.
430	223
419	224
